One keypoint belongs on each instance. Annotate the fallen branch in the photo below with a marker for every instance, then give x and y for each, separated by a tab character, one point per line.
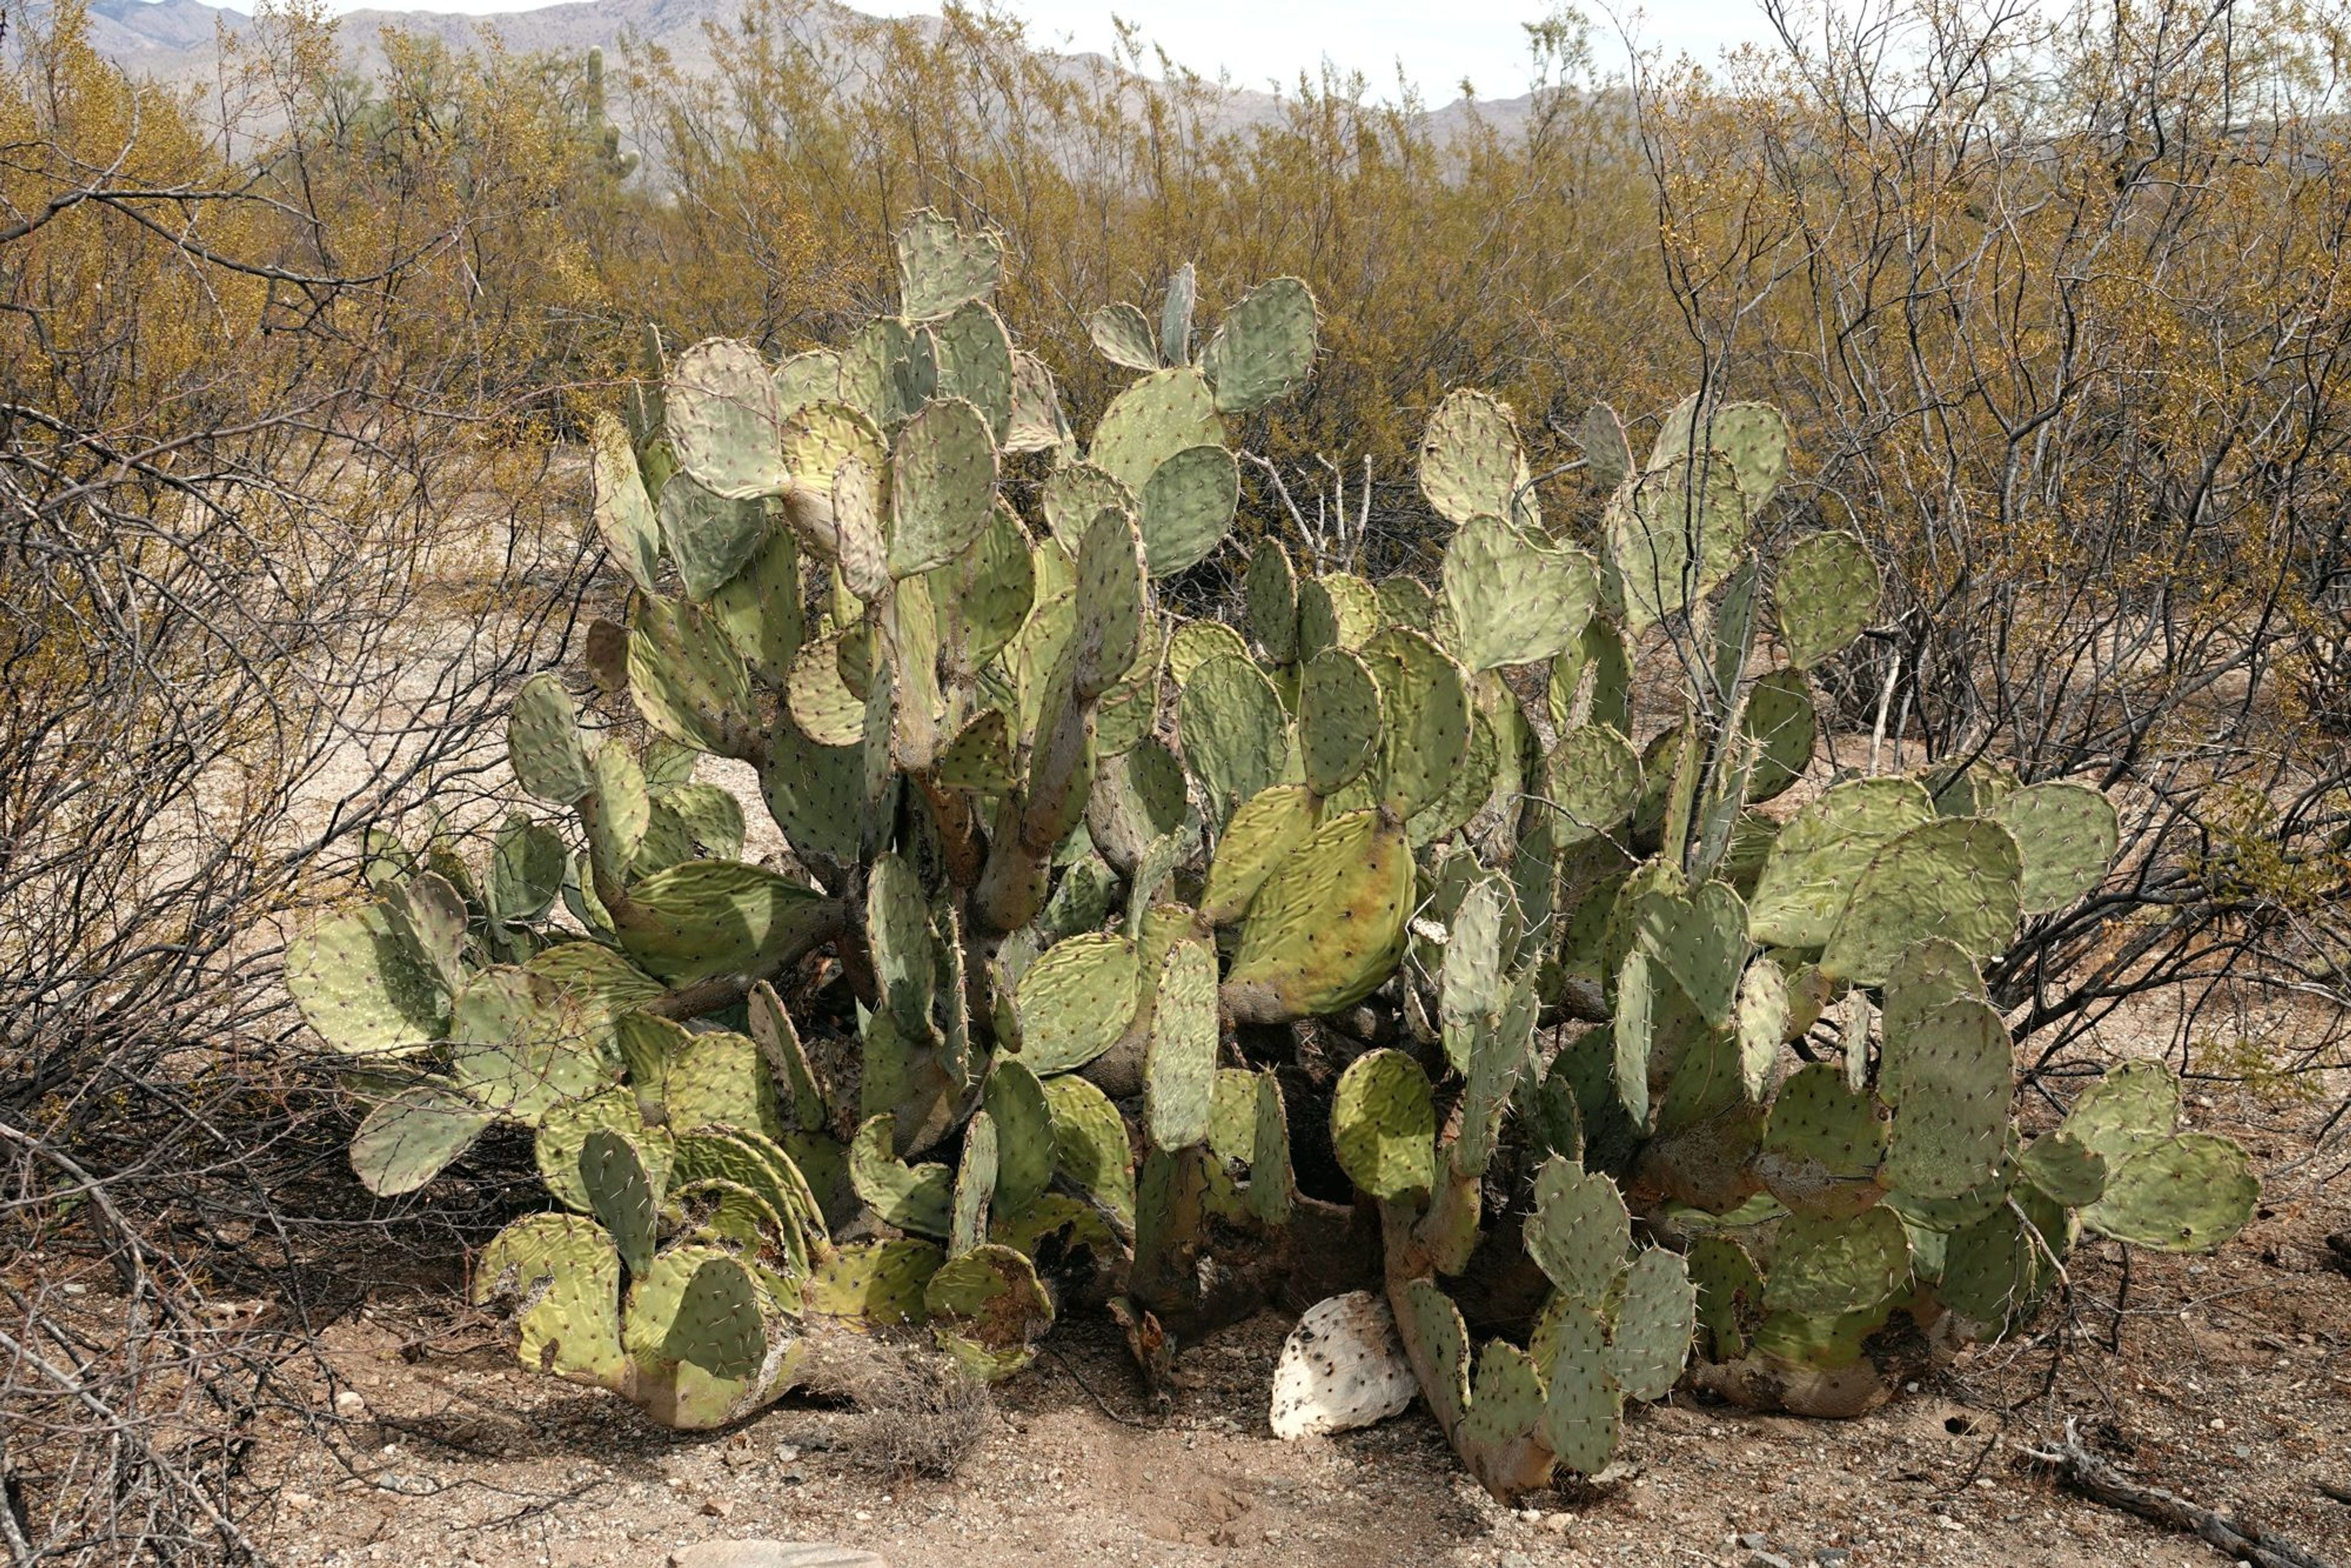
2100	1482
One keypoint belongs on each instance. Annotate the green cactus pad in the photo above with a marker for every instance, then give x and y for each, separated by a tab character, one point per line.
564	1268
1270	595
1675	534
619	1180
1109	602
1656	1317
1701	940
1408	603
1991	1269
1729	1293
1950	1080
1809	875
624	514
1138	797
903	945
1827	591
1236	736
1024	1122
1591	781
2133	1107
974	354
886	372
563	1133
942	485
1269	827
1578	1233
942	266
411	1138
813	376
1339	723
684	673
874	1283
1956	878
1471	788
979	759
820	441
1124	337
1505	1410
912	1197
1513	602
1470	461
1472	984
1180	1072
1384	1125
709	537
1608	456
1263	348
1151	422
1072	1003
1175	314
1583	1409
984	595
713	917
1638	984
1328	927
1425	711
975	1185
1187	505
363	988
1272	1182
759	607
987	1309
2066	1170
1194	642
723	420
2185	1194
1037	424
1928	973
1430	1325
1336	609
712	1322
717	1076
543	742
1075	494
1780	722
1823	1145
815	792
1823	1267
1090	1143
2066	835
747	1158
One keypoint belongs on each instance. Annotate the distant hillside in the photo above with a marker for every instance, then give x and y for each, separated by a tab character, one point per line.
177	41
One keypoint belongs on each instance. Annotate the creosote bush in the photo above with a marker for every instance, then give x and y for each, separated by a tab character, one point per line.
1642	1061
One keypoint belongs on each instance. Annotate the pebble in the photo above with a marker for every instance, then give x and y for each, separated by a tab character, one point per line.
350	1406
771	1555
1832	1557
1767	1559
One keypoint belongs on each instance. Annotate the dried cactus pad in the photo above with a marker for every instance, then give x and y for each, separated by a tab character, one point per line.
1341	1367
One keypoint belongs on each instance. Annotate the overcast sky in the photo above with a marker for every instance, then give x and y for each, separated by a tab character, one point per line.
1438	42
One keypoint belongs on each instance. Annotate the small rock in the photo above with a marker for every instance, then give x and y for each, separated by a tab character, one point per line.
1832	1557
771	1555
1767	1559
720	1507
787	1454
1559	1523
1755	1541
350	1406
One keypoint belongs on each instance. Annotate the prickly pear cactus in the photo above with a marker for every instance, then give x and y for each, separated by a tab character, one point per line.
1067	878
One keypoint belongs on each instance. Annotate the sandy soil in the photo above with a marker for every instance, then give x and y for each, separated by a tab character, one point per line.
2232	1384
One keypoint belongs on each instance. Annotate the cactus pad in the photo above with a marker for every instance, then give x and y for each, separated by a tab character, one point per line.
1823	1145
1430	1326
1512	600
1236	736
1151	422
624	514
1339	723
2133	1106
874	1283
1187	503
975	1185
1780	722
2066	835
1328	927
543	742
1956	878
713	917
1579	1232
1073	1002
1024	1124
1470	461
1270	596
912	1197
1656	1317
1384	1125
1949	1080
942	485
2185	1194
1110	601
1336	609
684	673
723	420
1583	1409
974	355
1180	1072
1267	829
1824	1266
1090	1143
1827	591
942	266
411	1138
1124	336
563	1268
1341	1367
362	986
1263	348
1809	874
986	1308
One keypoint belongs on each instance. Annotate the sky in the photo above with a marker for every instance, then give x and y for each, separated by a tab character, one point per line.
1438	42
